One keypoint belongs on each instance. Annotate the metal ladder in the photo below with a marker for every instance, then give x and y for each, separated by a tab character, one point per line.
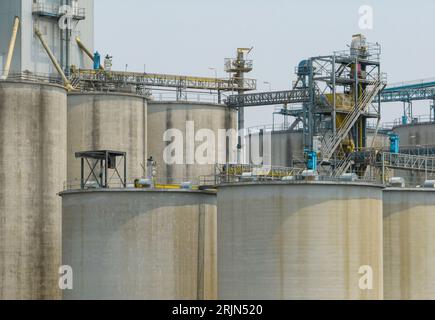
331	144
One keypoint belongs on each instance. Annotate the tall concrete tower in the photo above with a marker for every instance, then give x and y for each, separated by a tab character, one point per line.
59	21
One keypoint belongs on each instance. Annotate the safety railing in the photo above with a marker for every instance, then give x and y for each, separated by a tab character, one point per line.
162	80
33	77
234	65
190	183
54	10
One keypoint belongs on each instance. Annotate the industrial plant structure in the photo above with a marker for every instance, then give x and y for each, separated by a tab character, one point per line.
85	180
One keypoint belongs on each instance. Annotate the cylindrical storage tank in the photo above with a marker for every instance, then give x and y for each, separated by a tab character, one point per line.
409	244
382	140
32	172
107	121
418	134
297	241
174	118
286	147
411	135
140	244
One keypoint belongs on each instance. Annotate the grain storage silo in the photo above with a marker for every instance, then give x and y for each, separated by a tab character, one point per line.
409	244
107	121
140	244
380	141
32	172
287	147
164	116
299	240
421	134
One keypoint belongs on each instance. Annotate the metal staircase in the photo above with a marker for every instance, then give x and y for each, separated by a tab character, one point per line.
343	166
331	144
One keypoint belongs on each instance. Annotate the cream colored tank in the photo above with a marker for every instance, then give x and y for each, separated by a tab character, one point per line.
300	241
163	116
140	244
105	121
409	244
32	172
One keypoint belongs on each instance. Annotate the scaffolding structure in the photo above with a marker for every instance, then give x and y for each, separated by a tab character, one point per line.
332	100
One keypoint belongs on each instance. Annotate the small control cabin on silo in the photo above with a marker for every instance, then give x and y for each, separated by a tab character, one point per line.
32	173
300	241
409	244
185	122
107	121
145	244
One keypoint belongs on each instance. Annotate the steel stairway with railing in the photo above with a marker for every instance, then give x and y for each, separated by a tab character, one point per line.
331	144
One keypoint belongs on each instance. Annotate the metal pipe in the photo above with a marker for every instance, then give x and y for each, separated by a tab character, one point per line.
50	54
11	48
86	50
67	45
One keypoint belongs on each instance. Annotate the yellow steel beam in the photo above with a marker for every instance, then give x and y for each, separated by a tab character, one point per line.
86	50
11	48
50	54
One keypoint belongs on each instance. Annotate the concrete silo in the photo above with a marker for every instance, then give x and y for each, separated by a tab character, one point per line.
299	241
409	244
32	172
140	244
106	121
164	116
412	135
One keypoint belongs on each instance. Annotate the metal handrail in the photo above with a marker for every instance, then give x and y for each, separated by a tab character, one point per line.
34	77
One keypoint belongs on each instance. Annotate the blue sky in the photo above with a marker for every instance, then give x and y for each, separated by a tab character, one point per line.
191	36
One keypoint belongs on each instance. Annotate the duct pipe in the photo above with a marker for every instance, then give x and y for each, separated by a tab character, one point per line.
11	48
86	50
66	82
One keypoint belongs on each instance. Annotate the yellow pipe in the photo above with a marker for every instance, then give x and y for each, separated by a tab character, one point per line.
86	50
11	48
66	82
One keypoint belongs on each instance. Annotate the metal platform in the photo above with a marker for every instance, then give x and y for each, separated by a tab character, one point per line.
85	79
269	98
56	11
